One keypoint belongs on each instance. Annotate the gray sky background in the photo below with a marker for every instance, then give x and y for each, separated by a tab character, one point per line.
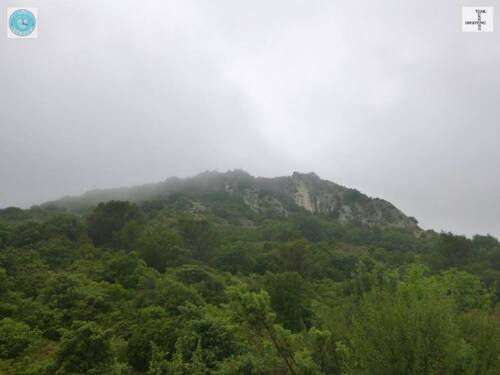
389	97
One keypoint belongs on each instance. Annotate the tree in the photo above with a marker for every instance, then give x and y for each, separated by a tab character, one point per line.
209	286
84	350
293	256
115	223
152	329
204	340
15	337
482	333
66	225
197	234
255	311
162	247
466	289
290	299
237	257
4	281
454	250
419	328
310	227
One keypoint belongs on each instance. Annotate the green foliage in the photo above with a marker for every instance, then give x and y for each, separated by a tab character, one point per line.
454	250
14	337
293	257
151	329
206	282
115	224
65	225
84	350
418	328
290	299
162	247
197	283
238	257
4	281
197	234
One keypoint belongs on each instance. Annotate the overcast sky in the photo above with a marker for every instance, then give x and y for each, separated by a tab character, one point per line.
389	97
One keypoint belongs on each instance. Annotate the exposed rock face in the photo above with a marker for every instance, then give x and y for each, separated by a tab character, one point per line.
319	196
258	203
303	197
279	195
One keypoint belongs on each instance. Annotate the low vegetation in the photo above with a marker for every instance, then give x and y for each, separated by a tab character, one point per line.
155	288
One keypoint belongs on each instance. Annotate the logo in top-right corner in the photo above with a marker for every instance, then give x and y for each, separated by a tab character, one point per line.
477	19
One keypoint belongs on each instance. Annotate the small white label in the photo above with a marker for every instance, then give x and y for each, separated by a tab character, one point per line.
22	23
477	19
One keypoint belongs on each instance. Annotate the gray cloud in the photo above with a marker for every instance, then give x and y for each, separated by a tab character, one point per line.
389	97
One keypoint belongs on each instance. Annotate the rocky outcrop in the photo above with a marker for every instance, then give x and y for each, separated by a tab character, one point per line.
280	195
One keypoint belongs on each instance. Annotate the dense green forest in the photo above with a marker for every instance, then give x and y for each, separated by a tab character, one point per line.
154	288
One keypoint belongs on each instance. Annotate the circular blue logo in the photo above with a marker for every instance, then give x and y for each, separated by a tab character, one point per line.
22	22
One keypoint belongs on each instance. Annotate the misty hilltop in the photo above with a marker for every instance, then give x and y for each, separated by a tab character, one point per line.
279	195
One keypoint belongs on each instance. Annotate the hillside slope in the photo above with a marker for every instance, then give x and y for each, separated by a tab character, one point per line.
279	195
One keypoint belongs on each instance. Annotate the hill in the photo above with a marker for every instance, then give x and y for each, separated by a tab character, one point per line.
281	195
228	274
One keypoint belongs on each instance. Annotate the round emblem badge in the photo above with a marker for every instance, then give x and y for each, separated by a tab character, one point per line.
22	22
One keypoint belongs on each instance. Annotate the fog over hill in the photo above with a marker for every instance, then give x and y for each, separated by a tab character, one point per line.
305	191
376	95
